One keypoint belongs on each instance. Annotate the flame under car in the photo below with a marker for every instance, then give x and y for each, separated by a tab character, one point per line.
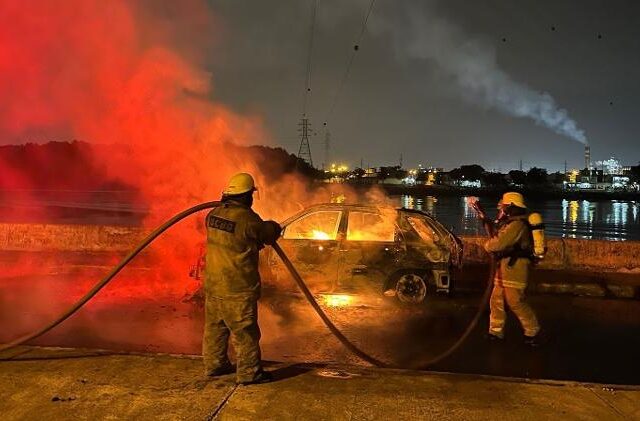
358	249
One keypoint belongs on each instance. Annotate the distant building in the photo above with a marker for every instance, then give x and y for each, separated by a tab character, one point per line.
370	173
434	176
609	177
428	176
610	166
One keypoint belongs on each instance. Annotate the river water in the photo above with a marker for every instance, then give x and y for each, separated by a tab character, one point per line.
611	220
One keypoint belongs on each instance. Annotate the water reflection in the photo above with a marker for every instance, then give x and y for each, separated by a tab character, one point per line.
585	209
578	218
607	220
430	205
407	201
618	216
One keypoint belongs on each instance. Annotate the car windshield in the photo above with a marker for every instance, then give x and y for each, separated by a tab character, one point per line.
321	225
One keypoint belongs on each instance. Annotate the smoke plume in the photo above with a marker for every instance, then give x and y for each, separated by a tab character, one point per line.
473	65
132	74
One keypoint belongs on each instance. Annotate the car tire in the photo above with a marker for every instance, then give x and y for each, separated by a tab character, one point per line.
411	287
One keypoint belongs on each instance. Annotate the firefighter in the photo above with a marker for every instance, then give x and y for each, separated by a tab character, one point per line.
235	234
513	248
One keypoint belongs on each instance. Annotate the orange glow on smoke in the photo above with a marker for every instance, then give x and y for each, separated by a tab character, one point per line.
122	72
134	73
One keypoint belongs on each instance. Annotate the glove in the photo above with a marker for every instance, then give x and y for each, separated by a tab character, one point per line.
272	231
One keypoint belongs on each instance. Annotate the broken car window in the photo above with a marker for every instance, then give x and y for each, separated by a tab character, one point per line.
322	225
365	226
423	229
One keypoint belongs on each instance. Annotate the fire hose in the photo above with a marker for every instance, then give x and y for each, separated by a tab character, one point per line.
292	270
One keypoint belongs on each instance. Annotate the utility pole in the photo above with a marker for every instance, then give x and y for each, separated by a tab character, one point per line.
520	166
565	167
327	147
304	152
400	160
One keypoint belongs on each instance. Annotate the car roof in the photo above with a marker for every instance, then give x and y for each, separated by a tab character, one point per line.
351	206
360	207
347	206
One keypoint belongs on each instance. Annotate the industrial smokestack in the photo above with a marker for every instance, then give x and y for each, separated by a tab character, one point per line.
587	157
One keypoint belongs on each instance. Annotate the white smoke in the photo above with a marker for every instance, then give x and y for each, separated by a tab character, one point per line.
473	65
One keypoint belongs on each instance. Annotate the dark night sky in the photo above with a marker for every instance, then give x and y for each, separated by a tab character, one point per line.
404	93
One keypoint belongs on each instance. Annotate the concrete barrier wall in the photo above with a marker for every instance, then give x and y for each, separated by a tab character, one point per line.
49	237
573	254
563	254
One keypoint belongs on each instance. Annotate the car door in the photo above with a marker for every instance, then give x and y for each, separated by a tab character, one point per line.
311	243
369	251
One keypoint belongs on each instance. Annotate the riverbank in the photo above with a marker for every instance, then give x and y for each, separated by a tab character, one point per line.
81	384
563	253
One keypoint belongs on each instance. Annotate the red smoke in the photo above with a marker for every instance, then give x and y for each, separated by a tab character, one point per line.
109	72
131	73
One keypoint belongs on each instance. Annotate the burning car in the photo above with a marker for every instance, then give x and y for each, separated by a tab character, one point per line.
355	249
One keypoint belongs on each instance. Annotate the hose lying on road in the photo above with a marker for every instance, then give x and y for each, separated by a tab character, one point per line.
472	324
363	355
309	296
292	270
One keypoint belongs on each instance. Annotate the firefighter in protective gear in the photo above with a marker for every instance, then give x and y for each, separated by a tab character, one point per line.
235	234
512	245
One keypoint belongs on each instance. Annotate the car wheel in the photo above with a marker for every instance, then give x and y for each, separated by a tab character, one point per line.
411	288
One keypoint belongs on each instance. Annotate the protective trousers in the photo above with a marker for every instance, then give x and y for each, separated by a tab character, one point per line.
515	299
238	318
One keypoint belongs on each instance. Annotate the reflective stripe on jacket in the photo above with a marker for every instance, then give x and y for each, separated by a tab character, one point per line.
514	235
235	234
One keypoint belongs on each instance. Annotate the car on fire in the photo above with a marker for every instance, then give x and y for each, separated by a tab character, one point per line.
353	249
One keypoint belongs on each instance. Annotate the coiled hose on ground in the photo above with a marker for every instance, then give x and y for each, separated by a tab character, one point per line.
292	270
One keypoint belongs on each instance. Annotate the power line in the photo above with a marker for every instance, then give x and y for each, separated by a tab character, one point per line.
307	93
356	48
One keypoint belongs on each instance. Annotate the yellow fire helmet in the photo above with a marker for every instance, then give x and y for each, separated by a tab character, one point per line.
239	183
513	198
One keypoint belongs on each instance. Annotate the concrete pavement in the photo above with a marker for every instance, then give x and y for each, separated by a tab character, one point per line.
591	339
57	383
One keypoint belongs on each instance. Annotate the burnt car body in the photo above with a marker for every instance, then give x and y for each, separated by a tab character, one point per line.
353	249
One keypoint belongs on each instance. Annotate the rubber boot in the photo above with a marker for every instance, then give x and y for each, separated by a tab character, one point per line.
535	341
260	377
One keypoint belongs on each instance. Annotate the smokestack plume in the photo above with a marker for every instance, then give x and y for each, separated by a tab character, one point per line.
472	64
